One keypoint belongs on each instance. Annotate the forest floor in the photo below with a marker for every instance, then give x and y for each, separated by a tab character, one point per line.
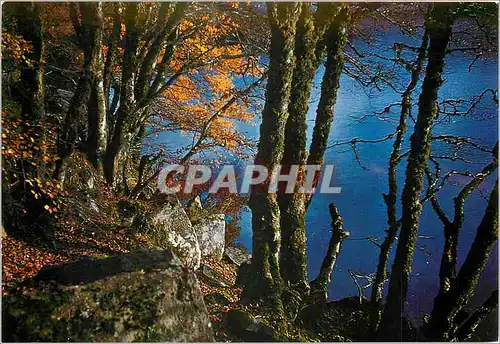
23	257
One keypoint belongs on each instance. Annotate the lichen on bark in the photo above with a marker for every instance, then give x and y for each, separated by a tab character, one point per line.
266	280
439	28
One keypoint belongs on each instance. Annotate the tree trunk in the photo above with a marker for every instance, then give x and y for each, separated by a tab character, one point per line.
31	88
97	116
443	323
293	260
319	286
391	198
467	329
110	55
266	280
336	38
144	78
127	101
439	29
90	31
308	42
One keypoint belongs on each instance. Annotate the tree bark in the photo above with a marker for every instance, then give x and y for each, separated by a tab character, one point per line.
144	78
310	29
90	35
391	197
467	329
111	54
97	117
443	323
127	100
31	88
335	43
266	279
319	286
439	28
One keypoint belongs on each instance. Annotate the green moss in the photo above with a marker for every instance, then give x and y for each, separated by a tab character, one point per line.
128	304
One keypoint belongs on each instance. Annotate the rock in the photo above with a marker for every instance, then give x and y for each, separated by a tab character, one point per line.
140	296
93	205
242	326
128	212
212	277
217	298
172	229
211	232
88	270
322	319
237	256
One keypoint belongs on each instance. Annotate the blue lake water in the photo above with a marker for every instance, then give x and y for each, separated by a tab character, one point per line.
360	201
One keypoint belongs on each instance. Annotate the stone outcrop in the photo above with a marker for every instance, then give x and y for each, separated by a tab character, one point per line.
172	229
211	234
237	255
210	229
140	296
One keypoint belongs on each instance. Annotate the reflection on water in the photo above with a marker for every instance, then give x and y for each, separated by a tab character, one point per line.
361	203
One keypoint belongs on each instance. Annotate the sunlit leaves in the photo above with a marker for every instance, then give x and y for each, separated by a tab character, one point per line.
15	47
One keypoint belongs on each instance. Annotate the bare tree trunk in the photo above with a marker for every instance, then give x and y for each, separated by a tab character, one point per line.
319	286
144	77
443	323
391	198
90	34
447	272
266	279
439	29
110	55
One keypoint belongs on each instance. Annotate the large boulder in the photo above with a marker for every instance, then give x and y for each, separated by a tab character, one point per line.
211	234
141	296
210	228
172	229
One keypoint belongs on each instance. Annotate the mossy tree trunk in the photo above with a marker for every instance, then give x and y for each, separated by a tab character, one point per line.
467	329
336	39
391	197
30	91
293	260
127	100
89	32
439	28
97	112
266	282
444	321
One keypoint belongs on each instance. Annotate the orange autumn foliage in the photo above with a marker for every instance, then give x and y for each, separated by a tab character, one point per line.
212	74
